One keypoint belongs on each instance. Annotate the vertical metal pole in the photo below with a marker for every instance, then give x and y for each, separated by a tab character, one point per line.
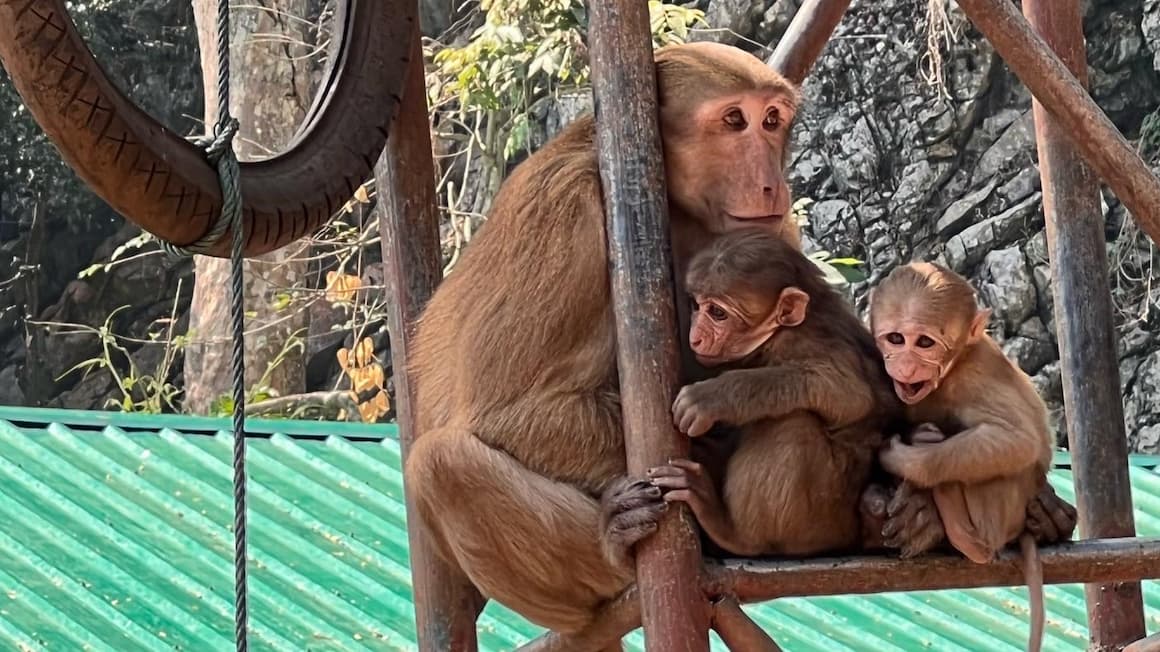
675	613
446	604
806	36
1083	314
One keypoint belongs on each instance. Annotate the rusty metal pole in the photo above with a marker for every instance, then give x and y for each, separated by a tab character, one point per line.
806	36
1083	314
1102	560
446	604
675	613
1082	121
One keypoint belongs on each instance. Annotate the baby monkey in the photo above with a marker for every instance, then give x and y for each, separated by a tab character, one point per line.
805	384
983	446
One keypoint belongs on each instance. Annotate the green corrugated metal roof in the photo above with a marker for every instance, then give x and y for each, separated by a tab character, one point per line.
116	537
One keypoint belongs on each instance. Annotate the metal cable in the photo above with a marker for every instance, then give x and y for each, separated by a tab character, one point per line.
220	152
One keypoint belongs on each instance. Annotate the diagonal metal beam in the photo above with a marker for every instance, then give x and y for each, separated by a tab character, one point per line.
1050	81
806	37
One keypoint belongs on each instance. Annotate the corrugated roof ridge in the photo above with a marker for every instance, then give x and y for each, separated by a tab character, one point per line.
311	592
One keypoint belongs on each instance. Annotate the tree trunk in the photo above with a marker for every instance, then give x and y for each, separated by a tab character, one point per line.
271	85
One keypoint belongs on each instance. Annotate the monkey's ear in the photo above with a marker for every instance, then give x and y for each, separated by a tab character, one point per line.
979	324
791	306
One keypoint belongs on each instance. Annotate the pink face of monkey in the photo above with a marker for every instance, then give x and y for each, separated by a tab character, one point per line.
729	328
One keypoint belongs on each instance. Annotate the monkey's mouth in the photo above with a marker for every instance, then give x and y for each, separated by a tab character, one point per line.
762	220
912	393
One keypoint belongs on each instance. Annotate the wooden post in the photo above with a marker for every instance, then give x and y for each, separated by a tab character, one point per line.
806	36
1083	316
446	605
675	613
1050	81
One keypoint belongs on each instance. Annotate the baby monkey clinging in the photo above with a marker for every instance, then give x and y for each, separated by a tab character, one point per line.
805	384
982	446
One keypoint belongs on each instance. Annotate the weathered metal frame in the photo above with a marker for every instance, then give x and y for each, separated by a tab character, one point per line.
672	596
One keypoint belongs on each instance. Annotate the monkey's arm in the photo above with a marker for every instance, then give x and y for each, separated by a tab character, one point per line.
985	451
742	396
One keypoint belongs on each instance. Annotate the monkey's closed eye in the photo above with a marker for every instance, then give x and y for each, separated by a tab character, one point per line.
716	313
896	338
924	342
735	119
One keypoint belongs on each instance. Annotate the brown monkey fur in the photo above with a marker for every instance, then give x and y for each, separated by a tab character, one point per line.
806	385
518	470
983	446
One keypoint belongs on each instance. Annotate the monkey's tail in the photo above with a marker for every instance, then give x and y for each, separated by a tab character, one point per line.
1033	575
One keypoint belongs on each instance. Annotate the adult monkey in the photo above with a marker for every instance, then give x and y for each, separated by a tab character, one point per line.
514	361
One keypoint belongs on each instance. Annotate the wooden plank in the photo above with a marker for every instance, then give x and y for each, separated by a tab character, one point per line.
1096	560
446	605
1087	346
1050	81
675	613
806	37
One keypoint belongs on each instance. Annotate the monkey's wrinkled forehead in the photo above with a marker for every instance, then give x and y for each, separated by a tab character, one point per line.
925	291
688	71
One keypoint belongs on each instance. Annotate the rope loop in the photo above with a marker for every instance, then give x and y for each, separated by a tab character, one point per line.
219	151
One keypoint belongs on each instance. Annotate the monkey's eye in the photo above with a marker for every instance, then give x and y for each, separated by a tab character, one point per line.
772	120
735	119
924	342
716	313
895	338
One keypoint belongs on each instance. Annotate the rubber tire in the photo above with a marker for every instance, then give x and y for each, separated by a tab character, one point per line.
161	182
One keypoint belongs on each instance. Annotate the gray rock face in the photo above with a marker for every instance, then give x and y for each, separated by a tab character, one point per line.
953	177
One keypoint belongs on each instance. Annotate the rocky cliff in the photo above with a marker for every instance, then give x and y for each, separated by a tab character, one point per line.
898	169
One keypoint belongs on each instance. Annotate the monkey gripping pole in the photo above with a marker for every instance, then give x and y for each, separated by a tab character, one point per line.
674	611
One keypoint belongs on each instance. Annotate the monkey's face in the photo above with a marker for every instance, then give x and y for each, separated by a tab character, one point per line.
730	327
724	167
915	356
721	330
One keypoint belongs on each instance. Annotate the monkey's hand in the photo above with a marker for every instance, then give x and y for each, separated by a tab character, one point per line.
1050	519
687	482
905	461
912	522
698	406
630	511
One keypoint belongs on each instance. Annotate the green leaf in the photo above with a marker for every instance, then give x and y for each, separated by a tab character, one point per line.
849	262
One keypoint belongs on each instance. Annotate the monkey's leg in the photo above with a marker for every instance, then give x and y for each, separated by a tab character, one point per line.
990	514
791	490
527	542
961	530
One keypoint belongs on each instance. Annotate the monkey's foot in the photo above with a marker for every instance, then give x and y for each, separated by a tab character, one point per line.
630	511
912	522
1050	519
